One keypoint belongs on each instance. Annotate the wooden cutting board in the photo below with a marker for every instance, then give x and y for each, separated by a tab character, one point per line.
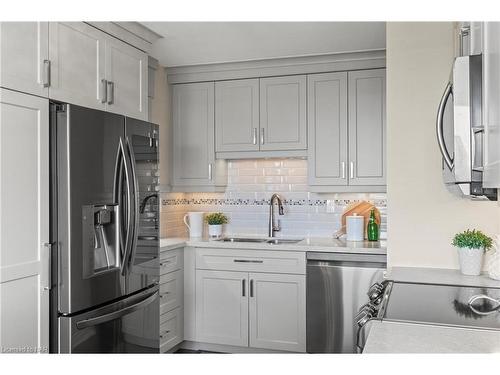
362	208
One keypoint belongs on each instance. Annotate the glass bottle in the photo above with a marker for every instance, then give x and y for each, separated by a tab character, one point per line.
372	228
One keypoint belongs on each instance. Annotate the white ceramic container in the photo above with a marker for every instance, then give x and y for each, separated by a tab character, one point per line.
471	261
194	222
355	228
215	230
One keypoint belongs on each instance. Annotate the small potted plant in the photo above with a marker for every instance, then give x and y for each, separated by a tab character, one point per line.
471	246
215	221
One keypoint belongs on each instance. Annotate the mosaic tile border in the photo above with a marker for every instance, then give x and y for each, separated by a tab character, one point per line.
265	202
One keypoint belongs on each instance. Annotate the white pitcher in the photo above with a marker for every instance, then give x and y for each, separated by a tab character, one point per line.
194	222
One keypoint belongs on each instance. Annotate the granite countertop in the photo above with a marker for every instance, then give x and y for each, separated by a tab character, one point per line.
316	244
392	337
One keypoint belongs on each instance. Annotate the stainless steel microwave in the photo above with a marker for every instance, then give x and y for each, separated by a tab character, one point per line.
460	130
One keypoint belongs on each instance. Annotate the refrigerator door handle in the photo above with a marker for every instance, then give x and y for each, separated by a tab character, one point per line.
117	314
118	193
127	232
134	224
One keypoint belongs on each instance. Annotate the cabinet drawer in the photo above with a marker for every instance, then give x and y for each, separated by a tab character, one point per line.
171	291
251	260
171	260
171	325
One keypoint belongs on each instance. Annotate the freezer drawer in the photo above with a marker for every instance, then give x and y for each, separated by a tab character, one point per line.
130	325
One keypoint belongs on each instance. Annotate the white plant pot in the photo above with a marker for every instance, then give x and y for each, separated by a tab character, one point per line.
215	230
471	261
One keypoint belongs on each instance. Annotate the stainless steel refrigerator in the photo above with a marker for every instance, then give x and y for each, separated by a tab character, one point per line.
105	232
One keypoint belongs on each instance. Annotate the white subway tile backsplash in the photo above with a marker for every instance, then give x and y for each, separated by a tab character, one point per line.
246	201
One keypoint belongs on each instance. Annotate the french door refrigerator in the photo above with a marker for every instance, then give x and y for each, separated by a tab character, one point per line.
105	235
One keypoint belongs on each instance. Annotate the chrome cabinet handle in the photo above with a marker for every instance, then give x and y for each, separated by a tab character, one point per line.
262	136
49	246
247	261
165	262
46	73
243	288
351	169
104	91
210	171
164	294
439	126
110	94
254	139
251	288
343	169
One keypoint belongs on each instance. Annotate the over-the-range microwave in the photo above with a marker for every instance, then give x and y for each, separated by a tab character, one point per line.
460	130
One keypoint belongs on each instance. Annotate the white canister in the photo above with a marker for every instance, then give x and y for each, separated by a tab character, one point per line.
355	228
194	222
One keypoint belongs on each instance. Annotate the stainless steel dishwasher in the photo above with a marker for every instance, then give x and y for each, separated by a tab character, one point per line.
337	285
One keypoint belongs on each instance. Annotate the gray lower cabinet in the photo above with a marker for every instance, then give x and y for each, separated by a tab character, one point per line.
327	129
283	113
367	128
347	131
193	132
237	115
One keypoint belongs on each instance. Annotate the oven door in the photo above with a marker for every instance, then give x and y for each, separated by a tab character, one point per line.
130	325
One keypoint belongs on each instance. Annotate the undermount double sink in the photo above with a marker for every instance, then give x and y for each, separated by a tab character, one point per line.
273	241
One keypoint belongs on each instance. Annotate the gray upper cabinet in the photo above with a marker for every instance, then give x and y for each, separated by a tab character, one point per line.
93	69
24	50
77	64
127	76
193	132
327	129
237	115
367	127
283	113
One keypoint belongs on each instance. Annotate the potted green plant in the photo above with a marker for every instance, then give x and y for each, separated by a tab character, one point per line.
215	221
471	245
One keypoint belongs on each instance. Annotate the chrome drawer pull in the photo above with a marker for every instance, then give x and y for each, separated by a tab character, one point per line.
164	334
164	294
165	262
247	261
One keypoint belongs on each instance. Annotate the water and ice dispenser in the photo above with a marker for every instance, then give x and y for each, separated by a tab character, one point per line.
101	241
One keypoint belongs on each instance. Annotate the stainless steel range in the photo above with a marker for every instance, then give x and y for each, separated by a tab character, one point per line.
444	305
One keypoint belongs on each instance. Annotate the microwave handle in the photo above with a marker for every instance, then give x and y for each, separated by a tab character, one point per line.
439	126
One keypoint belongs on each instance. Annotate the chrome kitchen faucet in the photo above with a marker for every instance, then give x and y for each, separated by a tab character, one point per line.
272	226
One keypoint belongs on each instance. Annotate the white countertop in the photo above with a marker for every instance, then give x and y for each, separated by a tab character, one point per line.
392	337
307	244
439	276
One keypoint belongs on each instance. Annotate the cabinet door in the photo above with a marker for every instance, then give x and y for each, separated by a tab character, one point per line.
367	133
237	115
327	128
24	53
283	113
222	307
126	73
76	53
193	128
277	311
24	221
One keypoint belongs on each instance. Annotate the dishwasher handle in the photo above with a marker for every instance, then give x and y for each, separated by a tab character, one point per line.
346	257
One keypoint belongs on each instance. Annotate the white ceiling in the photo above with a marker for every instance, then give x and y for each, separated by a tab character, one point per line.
191	43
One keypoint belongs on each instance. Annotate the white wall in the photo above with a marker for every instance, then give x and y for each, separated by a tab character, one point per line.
422	214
